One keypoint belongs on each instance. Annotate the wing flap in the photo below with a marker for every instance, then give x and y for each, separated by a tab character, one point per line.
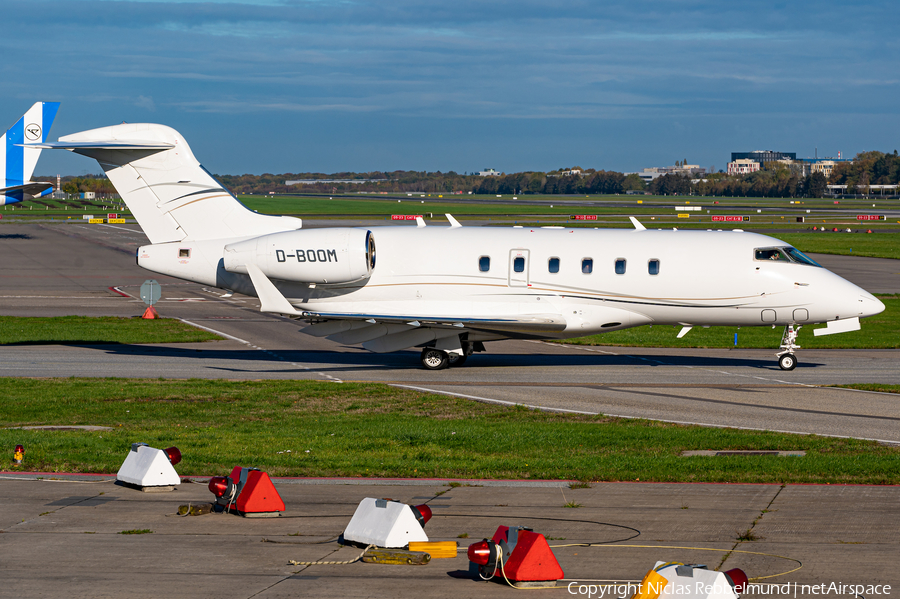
526	323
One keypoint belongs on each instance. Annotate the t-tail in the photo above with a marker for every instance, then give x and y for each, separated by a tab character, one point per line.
168	191
17	159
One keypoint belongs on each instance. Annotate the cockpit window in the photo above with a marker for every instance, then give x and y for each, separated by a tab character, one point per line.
784	254
773	254
798	256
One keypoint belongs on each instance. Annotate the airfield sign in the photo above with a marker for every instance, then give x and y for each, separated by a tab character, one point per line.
151	292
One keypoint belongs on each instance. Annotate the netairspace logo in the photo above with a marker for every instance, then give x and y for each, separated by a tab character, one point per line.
789	589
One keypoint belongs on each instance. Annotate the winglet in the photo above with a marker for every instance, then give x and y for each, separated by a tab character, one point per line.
637	225
453	222
420	222
684	330
271	300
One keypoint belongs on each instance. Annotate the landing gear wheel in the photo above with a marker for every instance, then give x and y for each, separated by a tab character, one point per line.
457	360
787	361
434	359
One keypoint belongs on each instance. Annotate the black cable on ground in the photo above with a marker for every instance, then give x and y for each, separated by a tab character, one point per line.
634	536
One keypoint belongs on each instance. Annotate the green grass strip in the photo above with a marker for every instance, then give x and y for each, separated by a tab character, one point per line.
309	428
872	387
87	330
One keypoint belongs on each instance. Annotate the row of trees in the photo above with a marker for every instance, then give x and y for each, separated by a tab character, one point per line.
595	182
776	180
99	184
775	183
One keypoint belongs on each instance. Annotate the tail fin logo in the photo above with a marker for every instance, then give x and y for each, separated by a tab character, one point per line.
33	132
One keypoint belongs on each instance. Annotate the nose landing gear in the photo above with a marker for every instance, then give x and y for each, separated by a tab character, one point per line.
786	358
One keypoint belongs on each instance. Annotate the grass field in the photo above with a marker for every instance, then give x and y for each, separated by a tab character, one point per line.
305	428
849	244
881	331
88	330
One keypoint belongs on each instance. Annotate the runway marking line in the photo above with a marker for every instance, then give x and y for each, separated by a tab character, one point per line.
265	351
704	424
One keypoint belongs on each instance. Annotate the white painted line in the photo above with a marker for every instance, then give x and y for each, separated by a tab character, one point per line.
247	343
704	424
115	227
226	335
496	401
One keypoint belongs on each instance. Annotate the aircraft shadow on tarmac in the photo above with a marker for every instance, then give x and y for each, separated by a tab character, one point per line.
336	361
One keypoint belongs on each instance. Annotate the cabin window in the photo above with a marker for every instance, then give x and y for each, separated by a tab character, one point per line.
587	266
184	253
620	266
519	264
484	263
553	265
653	267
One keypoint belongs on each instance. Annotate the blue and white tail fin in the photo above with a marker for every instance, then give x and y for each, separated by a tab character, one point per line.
17	160
170	194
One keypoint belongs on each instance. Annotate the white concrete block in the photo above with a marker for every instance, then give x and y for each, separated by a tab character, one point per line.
388	524
685	582
147	467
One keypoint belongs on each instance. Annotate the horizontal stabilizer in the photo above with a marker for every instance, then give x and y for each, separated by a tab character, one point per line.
845	325
102	145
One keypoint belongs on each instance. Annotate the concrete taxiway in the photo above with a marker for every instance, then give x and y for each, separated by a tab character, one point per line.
63	538
54	269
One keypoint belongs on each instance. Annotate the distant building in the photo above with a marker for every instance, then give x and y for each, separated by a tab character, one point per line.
763	156
488	172
688	170
823	166
742	166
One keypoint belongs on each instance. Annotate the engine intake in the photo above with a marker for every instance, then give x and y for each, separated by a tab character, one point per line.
339	255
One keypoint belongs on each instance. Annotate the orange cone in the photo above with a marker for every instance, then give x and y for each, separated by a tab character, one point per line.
150	313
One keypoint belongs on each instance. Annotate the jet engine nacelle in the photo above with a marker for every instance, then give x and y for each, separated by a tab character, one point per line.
340	255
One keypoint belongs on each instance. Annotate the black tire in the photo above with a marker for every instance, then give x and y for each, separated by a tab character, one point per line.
457	360
787	361
434	359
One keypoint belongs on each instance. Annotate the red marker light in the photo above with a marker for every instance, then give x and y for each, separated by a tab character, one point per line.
422	514
479	553
218	485
738	579
173	454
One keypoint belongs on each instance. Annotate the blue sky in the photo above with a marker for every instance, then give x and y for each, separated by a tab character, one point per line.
320	85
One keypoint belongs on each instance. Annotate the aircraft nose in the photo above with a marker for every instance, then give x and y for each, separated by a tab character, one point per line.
869	305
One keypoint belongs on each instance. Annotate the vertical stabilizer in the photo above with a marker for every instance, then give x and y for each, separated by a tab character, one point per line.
170	194
17	161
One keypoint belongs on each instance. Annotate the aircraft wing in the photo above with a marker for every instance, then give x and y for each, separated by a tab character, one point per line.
528	323
26	191
393	332
32	188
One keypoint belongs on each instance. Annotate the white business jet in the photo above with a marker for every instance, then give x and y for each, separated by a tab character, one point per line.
450	289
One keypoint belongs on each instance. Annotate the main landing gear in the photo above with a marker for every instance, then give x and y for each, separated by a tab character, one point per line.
437	359
786	358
